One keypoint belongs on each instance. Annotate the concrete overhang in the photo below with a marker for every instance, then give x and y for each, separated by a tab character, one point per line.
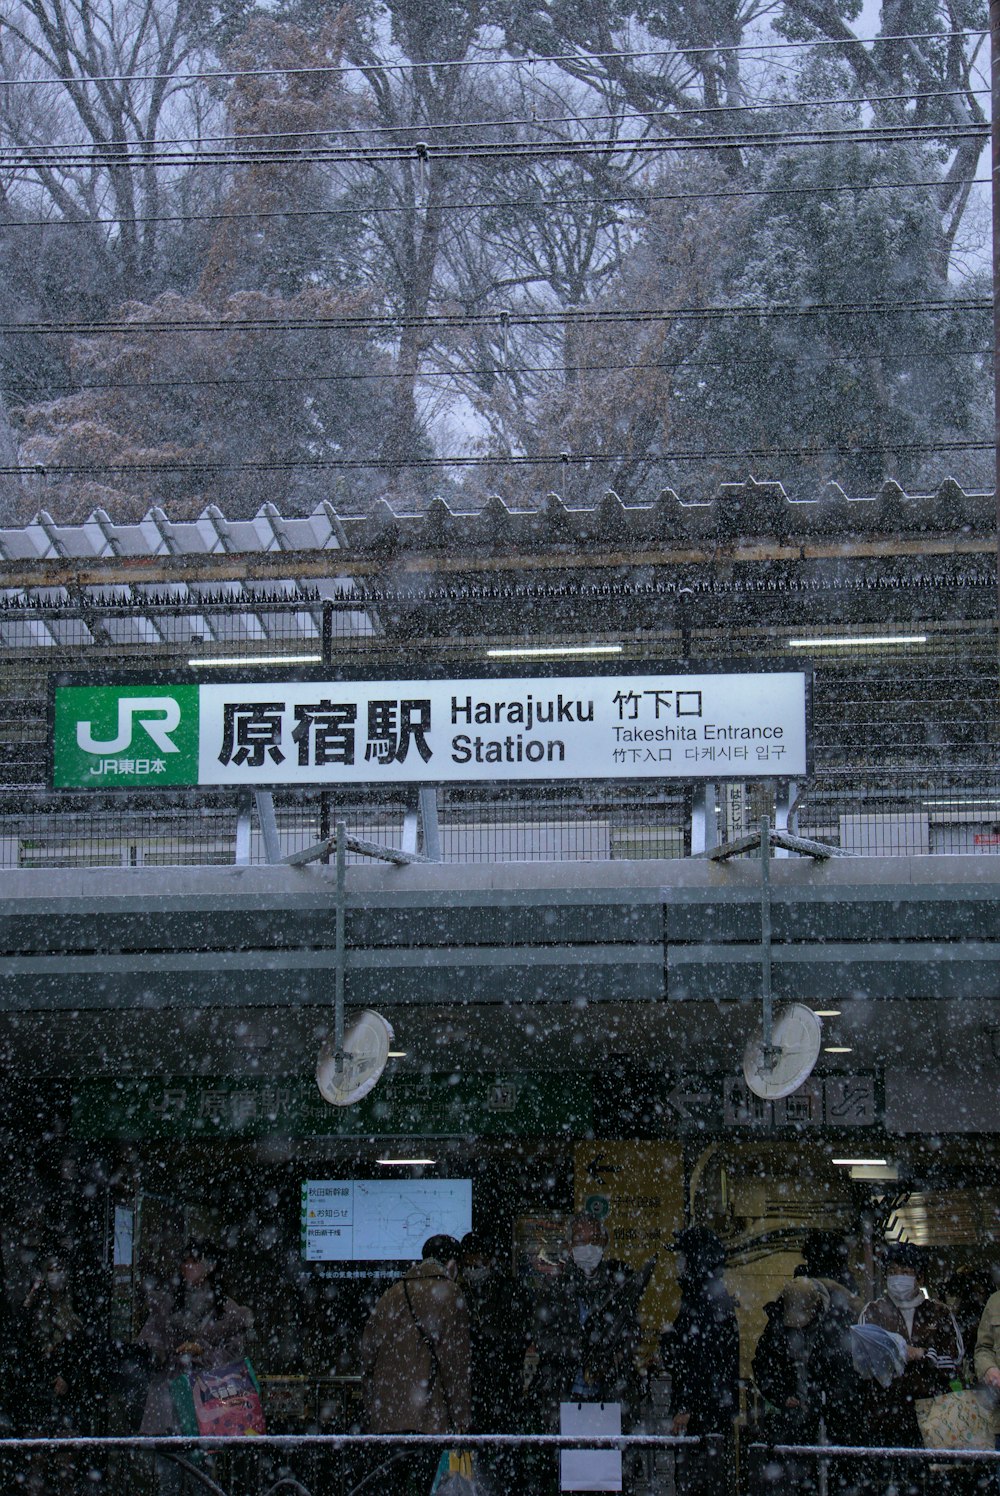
566	965
651	931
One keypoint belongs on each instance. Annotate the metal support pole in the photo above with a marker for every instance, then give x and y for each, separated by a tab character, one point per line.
823	1466
243	830
341	952
704	830
783	801
326	638
264	801
411	831
765	938
429	827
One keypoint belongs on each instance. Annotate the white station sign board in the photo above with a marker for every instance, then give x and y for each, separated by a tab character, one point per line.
526	728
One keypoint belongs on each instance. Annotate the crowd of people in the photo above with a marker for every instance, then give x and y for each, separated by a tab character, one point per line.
459	1345
446	1350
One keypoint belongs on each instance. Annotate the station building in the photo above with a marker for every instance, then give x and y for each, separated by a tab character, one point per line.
572	968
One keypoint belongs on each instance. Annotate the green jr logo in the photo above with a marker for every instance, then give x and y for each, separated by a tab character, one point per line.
128	736
167	715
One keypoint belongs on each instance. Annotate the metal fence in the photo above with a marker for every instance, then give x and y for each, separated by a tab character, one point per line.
912	815
906	740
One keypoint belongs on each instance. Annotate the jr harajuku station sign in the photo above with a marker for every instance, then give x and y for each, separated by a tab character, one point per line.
529	728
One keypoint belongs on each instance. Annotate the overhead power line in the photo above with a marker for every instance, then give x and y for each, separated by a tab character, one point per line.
442	64
638	198
503	370
500	371
476	460
538	122
106	157
445	321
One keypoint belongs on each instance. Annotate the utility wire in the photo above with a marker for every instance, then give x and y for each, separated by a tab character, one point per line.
104	157
572	459
443	64
637	198
535	122
500	371
461	321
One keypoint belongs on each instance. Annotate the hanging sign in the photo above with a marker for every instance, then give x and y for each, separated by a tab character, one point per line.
529	729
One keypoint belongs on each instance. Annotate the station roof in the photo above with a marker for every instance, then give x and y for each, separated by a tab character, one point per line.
745	510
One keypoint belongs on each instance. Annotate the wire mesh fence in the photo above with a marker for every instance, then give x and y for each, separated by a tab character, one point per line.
905	731
912	815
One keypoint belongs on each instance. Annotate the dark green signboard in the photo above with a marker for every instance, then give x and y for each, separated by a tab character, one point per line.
125	736
400	1106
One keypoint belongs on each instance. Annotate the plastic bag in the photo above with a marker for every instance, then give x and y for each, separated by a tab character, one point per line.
878	1355
456	1475
221	1403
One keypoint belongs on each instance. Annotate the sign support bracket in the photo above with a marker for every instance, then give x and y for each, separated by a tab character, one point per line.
264	802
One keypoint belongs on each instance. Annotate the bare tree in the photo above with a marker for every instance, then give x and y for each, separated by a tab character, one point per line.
99	89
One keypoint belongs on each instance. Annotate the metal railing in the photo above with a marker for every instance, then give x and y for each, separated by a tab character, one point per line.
775	1469
280	1462
909	814
376	1454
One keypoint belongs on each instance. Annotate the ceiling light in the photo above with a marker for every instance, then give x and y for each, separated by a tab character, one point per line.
251	660
960	803
861	639
861	1163
837	1049
827	1012
550	652
403	1162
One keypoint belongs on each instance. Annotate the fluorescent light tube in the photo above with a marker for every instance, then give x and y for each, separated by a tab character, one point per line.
238	660
861	639
551	652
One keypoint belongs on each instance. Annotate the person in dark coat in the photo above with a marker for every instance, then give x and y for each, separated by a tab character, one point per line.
803	1365
57	1362
192	1326
934	1346
586	1329
700	1352
500	1326
804	1370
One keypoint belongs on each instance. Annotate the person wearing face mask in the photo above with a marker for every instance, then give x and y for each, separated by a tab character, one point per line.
193	1326
934	1348
700	1352
586	1329
415	1358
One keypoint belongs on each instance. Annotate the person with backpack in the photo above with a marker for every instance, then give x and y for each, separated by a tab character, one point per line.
415	1359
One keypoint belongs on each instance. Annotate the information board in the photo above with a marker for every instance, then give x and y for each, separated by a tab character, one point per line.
380	1220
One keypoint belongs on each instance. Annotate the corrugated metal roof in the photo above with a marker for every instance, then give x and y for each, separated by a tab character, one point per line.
738	510
157	535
